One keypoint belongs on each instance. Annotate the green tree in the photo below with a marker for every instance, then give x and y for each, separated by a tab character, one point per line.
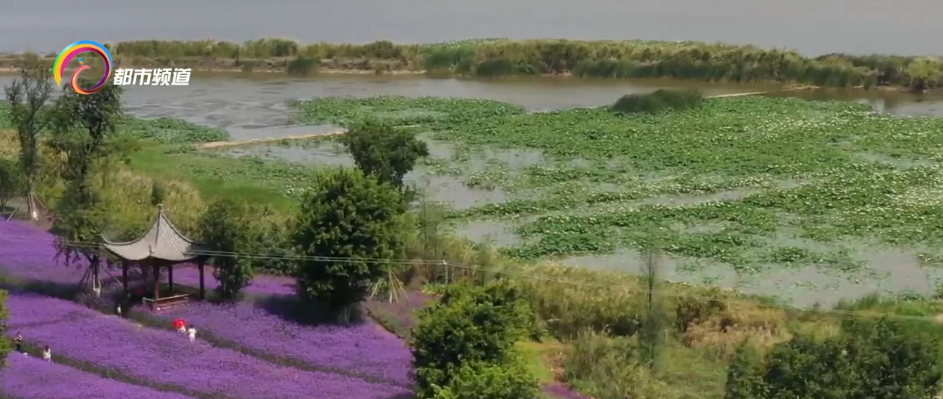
4	343
27	98
84	131
869	359
11	181
226	227
653	321
354	222
467	339
382	151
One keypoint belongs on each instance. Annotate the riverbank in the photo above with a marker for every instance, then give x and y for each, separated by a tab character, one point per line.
551	57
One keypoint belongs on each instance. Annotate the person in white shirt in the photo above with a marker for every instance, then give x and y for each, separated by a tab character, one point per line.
191	333
47	354
182	329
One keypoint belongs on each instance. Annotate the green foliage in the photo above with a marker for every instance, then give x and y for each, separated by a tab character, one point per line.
384	152
354	222
84	133
481	380
658	101
399	110
170	131
870	359
472	328
610	368
29	115
4	343
745	375
11	181
228	227
302	66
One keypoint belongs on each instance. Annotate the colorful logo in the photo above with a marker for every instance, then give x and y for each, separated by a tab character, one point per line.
72	51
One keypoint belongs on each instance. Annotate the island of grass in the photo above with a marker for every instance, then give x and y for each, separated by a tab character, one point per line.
502	57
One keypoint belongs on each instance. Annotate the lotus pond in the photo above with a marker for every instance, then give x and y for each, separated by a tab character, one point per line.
774	195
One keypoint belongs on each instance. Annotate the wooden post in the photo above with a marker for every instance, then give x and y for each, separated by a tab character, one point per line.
200	265
156	282
170	276
124	277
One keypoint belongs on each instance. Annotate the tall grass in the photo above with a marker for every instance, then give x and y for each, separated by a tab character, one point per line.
658	101
590	59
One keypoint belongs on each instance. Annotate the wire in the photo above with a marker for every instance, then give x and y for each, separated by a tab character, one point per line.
524	274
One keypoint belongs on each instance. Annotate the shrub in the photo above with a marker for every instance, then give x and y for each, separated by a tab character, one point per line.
658	101
870	359
467	339
302	66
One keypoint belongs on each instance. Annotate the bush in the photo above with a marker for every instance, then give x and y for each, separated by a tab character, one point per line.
350	220
302	66
870	359
466	340
482	380
658	101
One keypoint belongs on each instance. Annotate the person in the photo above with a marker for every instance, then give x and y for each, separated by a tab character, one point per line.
47	354
182	329
19	342
191	333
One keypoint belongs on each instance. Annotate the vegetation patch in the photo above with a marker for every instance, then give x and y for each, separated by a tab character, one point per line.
623	59
658	101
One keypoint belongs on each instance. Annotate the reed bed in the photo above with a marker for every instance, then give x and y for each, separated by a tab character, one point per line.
589	59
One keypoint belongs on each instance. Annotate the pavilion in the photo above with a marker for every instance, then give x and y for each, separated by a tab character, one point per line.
163	245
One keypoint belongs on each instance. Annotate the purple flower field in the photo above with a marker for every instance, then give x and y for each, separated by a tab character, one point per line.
261	285
364	348
167	357
32	378
29	253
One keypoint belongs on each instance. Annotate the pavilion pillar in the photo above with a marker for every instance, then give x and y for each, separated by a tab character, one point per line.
170	277
124	277
156	267
200	265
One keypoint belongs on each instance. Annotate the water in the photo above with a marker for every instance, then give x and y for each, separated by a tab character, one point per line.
811	26
256	107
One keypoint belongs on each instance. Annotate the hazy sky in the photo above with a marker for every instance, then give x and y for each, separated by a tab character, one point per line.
811	26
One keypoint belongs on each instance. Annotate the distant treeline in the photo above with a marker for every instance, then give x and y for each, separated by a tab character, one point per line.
588	59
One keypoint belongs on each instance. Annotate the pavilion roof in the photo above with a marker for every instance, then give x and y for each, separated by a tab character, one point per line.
162	241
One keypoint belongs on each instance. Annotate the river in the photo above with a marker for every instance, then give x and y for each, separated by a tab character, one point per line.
255	107
812	26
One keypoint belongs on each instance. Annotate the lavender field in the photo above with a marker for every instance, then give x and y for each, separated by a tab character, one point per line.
32	378
105	356
365	348
166	357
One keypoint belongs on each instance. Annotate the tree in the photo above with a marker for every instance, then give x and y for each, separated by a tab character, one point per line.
27	98
650	333
224	227
4	344
11	182
382	151
466	341
354	222
869	359
84	132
